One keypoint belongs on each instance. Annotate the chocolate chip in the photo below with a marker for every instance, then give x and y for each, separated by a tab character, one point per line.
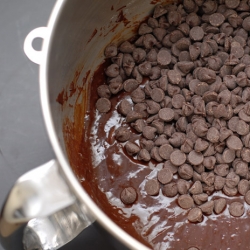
171	167
224	134
152	187
187	109
189	6
232	4
242	128
224	97
122	134
145	68
185	201
208	178
153	107
195	215
195	158
138	125
216	19
200	198
128	195
237	50
159	33
246	95
243	116
161	140
236	209
210	150
183	186
144	155
138	95
213	135
243	186
228	155
219	205
165	176
149	132
115	87
165	151
103	105
194	52
166	114
199	168
241	168
144	29
159	11
147	144
130	85
246	140
196	33
245	155
118	59
208	189
185	66
201	88
196	188
174	18
186	172
155	154
103	91
170	190
157	94
247	197
196	176
112	70
209	162
159	125
200	145
233	122
110	51
131	148
232	180
133	116
173	90
219	182
246	24
141	108
184	56
174	77
187	146
164	57
233	142
126	47
207	208
178	101
139	55
206	75
221	169
200	128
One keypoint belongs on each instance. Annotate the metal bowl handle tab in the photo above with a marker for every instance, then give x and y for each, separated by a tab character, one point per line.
35	55
41	212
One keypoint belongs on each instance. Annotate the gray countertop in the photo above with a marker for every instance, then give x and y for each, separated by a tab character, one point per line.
24	143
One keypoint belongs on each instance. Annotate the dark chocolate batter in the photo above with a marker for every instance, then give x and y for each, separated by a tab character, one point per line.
104	169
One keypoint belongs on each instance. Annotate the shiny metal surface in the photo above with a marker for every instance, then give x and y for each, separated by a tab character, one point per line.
56	230
24	140
42	194
69	45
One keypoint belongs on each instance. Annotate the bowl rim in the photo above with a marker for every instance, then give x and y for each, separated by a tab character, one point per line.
71	179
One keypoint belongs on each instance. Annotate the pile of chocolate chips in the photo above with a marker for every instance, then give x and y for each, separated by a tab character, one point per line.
187	76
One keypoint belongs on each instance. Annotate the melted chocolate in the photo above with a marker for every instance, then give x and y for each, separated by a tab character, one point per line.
105	169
